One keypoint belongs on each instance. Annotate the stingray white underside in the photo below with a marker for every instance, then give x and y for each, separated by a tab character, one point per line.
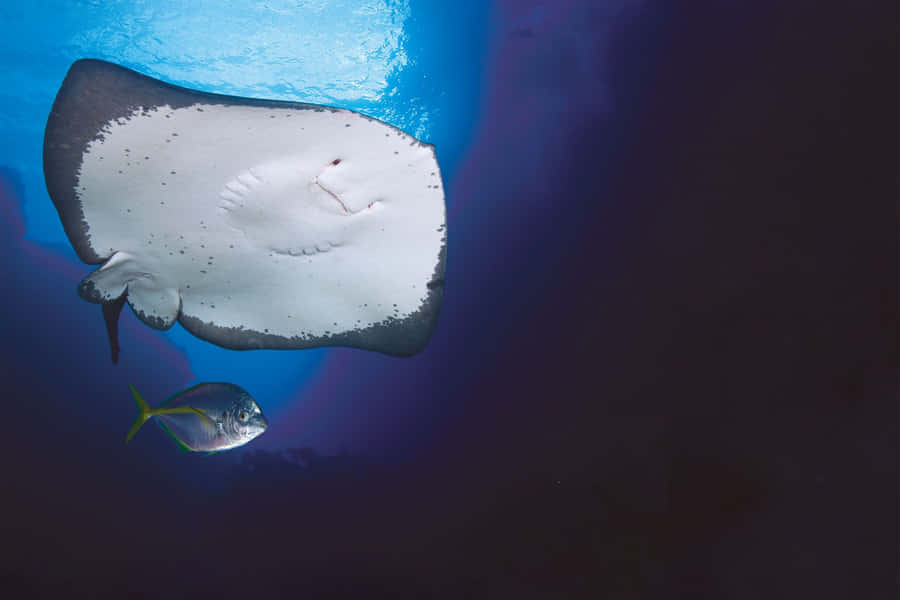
293	222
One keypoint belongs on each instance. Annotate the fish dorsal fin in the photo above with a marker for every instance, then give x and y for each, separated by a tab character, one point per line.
180	394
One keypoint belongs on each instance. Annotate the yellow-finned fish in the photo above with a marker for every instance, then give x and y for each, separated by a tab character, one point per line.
208	417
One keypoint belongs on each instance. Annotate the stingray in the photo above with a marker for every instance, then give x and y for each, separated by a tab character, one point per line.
253	223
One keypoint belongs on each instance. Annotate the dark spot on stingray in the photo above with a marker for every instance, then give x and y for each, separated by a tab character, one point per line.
199	109
174	134
271	117
202	246
146	158
336	161
120	171
127	210
231	245
167	141
181	251
209	263
171	172
266	330
202	271
187	285
395	152
162	183
346	124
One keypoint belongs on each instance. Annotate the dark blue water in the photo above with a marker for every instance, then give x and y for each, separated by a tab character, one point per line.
666	361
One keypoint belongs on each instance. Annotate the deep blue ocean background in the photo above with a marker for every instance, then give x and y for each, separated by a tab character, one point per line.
666	362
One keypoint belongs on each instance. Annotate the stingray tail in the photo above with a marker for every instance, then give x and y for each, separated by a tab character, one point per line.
144	414
111	312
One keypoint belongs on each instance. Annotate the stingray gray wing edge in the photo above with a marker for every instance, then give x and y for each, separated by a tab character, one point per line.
93	93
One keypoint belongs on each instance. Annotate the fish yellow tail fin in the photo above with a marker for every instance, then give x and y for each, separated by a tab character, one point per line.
142	416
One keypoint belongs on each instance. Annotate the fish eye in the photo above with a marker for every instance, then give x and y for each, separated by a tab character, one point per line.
242	415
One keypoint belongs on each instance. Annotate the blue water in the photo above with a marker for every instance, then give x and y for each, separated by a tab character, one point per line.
415	64
665	363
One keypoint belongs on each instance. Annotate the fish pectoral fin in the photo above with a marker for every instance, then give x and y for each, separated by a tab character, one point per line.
200	413
184	434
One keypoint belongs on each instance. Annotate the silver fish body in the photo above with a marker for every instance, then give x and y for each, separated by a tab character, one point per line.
208	417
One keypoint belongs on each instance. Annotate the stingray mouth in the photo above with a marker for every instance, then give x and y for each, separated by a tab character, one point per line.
344	208
329	171
333	195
